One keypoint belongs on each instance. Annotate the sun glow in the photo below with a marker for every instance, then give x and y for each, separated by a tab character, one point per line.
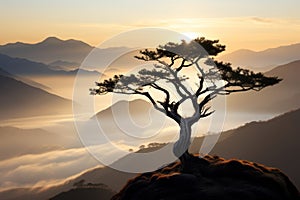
191	35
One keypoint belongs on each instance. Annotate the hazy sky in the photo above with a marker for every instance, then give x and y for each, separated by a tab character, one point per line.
252	24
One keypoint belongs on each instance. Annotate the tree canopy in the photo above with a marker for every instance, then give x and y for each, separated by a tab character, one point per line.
172	58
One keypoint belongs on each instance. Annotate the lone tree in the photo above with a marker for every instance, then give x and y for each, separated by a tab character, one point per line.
171	64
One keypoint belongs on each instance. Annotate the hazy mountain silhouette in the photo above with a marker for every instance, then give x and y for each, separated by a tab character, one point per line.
280	98
21	66
17	142
263	60
63	54
63	65
134	117
49	50
135	108
25	80
19	99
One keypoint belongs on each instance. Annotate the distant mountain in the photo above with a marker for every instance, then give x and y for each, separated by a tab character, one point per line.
21	66
64	54
25	80
263	60
279	98
134	108
289	72
17	142
131	118
19	99
49	50
64	65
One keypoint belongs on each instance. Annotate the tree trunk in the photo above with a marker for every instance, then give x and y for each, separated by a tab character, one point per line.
181	147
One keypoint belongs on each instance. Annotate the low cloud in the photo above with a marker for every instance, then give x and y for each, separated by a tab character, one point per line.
46	168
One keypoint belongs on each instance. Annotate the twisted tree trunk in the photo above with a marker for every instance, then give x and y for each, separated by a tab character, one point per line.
181	146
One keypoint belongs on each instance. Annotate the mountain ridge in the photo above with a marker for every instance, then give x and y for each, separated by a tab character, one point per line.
279	98
22	66
49	50
36	101
264	59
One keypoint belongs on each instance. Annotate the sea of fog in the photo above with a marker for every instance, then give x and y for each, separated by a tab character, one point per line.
56	165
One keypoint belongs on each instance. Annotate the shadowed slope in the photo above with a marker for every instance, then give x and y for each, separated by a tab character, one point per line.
274	143
21	100
279	98
17	142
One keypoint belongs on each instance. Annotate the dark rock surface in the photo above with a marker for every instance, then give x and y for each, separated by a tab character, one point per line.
211	178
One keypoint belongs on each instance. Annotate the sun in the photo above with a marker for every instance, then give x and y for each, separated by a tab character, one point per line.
191	35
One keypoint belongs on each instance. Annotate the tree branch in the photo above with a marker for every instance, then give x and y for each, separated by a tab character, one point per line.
169	108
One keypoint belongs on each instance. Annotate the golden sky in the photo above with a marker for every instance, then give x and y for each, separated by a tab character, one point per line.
239	24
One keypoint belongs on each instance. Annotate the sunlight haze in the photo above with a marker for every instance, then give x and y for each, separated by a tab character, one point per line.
242	24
